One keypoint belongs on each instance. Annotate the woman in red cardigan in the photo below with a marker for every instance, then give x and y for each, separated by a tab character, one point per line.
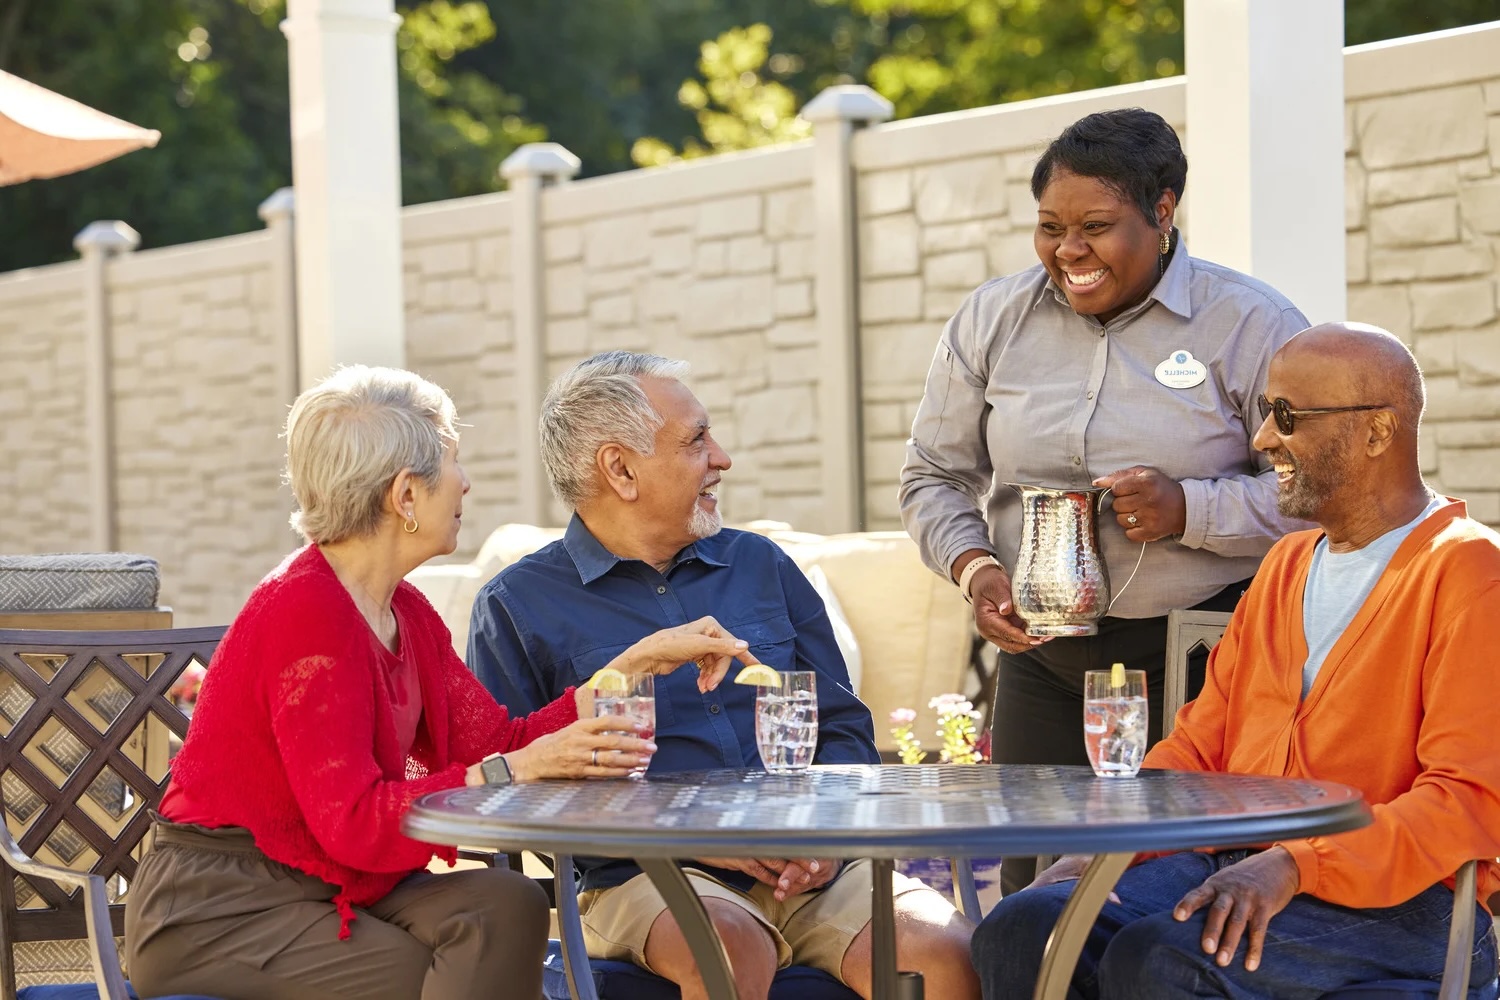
279	869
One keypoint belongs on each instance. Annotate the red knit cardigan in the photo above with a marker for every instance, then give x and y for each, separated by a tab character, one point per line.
293	736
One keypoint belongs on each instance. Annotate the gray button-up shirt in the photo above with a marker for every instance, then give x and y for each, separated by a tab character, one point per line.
1023	389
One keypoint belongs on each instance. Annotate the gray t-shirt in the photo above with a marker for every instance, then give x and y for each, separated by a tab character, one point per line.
1337	585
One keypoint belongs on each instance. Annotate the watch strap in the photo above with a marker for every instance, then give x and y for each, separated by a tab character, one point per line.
966	578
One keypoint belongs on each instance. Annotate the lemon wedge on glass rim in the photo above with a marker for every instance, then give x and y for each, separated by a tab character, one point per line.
608	679
760	675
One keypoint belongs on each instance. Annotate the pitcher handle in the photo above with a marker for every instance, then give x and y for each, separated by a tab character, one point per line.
1099	504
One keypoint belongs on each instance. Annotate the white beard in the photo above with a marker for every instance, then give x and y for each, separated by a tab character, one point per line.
705	523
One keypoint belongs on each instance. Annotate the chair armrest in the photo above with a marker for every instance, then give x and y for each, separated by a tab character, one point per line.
106	962
1455	984
570	928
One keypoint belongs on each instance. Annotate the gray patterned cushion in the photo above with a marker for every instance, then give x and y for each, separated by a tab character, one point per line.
70	581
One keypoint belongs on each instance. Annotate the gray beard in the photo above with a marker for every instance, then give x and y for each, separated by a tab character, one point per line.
704	523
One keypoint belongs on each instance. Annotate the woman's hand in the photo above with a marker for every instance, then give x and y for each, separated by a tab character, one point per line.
994	612
704	642
588	748
1149	504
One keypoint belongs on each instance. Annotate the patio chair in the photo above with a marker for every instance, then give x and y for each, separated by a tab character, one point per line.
1188	631
86	736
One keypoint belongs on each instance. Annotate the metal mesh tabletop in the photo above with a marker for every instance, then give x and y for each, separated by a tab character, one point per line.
888	811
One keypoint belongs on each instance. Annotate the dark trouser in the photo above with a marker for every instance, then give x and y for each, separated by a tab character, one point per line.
1039	695
210	914
1138	951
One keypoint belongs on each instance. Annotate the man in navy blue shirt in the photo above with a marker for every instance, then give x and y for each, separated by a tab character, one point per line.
627	446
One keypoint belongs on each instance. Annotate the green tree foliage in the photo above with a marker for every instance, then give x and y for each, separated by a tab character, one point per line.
736	107
479	77
211	75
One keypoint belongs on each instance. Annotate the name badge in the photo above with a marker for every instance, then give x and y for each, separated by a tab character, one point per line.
1181	371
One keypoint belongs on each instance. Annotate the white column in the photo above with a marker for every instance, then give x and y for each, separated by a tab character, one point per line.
346	167
278	213
97	243
1265	144
835	114
528	170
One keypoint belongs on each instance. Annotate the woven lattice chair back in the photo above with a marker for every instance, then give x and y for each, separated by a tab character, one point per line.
87	733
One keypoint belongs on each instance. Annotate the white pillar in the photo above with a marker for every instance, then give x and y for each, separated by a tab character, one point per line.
835	114
528	170
97	243
346	168
278	212
1265	144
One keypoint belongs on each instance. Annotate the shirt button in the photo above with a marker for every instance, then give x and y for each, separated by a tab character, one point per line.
661	590
1077	460
1090	396
713	709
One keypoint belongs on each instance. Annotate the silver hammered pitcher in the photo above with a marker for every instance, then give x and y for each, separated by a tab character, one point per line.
1060	585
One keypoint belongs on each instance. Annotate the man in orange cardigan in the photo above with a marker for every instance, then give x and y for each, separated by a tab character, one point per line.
1364	653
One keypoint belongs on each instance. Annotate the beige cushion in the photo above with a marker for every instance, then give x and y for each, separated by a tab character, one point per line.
911	628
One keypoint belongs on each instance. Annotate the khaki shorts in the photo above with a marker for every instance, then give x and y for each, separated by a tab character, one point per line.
811	928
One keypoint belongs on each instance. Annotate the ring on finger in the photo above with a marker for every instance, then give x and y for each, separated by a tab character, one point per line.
1132	519
594	757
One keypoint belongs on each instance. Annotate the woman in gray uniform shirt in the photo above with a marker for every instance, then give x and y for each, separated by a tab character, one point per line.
1050	377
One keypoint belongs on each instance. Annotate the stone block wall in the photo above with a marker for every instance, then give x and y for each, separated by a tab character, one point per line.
712	263
42	402
459	334
1422	207
722	262
199	403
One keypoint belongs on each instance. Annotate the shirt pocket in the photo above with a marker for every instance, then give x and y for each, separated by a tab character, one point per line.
586	664
773	641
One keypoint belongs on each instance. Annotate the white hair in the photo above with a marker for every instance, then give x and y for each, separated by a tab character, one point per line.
349	436
599	401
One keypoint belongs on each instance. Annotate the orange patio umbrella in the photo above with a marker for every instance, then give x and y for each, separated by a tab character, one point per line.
43	134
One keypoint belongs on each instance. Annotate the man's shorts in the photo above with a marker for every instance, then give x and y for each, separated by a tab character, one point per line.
812	928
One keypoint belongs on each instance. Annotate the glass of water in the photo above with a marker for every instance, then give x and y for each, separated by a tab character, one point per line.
786	722
1114	720
636	704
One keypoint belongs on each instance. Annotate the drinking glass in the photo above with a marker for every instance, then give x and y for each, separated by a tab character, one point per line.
1114	721
786	722
636	704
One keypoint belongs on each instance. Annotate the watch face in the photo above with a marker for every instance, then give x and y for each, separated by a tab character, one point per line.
496	770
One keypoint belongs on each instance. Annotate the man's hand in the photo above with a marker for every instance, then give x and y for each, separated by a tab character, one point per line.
1152	498
704	642
802	874
788	876
994	612
1247	894
1067	868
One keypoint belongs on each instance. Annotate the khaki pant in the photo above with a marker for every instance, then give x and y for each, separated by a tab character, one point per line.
210	914
811	928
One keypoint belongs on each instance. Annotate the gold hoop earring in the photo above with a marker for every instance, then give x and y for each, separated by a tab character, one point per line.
410	527
1166	242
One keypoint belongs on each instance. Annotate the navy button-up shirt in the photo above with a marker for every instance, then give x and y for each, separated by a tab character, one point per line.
549	621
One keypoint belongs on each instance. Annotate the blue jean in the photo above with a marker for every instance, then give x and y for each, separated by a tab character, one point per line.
1137	951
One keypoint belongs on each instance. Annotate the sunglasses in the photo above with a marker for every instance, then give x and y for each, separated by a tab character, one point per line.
1286	417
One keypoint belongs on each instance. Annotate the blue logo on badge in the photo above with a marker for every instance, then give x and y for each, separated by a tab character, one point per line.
1180	357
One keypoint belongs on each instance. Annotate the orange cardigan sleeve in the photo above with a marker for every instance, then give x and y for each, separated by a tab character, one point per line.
1452	812
1197	742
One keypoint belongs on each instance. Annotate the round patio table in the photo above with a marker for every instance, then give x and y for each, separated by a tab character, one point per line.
886	812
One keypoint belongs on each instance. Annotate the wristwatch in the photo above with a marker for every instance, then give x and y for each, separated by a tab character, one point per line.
496	770
966	578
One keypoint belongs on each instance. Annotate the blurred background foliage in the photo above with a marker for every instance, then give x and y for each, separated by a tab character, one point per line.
621	83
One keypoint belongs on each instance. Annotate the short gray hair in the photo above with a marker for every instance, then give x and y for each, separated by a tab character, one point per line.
350	435
599	401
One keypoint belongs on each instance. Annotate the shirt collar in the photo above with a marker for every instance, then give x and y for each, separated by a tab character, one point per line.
593	560
1174	289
